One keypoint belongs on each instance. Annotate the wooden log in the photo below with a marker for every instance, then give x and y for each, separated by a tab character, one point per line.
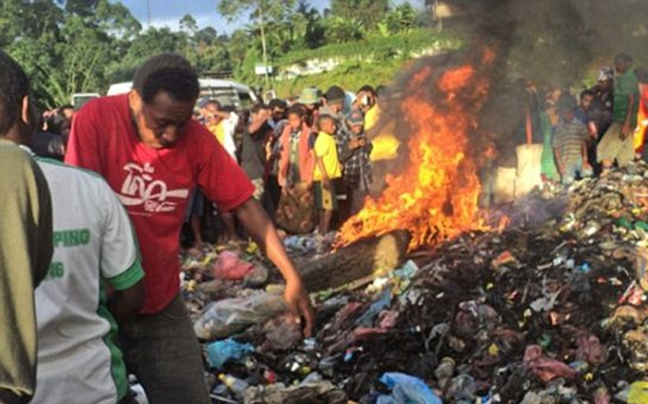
366	257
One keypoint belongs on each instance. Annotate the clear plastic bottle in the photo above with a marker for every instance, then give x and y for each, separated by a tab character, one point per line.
236	385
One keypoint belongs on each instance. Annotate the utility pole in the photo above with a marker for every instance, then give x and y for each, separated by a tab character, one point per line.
264	46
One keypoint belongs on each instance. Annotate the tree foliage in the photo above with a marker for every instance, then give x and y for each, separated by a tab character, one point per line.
400	20
365	12
69	46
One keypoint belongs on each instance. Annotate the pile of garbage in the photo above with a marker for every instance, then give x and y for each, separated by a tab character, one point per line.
551	309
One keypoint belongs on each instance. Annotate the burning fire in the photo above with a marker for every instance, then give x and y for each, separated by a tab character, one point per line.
435	197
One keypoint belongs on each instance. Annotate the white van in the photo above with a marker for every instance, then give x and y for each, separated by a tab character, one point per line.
80	99
228	93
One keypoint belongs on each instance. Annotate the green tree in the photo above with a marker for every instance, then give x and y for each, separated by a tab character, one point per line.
367	12
262	12
189	24
341	30
400	20
314	30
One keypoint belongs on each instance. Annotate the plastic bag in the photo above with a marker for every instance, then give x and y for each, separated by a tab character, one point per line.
230	266
227	317
406	389
220	352
323	392
282	333
544	368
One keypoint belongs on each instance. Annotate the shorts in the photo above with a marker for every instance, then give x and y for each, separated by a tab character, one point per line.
325	199
613	147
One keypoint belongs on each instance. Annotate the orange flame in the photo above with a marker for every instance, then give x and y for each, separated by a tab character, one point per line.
435	197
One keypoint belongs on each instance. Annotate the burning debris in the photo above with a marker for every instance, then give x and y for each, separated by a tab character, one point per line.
549	309
435	196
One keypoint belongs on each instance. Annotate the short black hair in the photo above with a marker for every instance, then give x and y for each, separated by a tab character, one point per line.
277	103
58	123
367	89
259	107
623	56
65	106
167	72
323	118
585	93
14	86
298	109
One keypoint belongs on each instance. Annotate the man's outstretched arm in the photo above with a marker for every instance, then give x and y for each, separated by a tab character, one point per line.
259	226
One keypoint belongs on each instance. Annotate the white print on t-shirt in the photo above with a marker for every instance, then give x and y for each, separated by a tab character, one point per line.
139	188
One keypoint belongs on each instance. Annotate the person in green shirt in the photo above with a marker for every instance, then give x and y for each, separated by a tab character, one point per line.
618	143
25	236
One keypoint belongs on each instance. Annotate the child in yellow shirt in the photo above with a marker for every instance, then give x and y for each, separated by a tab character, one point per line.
327	169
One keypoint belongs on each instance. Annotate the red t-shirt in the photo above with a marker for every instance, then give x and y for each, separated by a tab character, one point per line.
154	184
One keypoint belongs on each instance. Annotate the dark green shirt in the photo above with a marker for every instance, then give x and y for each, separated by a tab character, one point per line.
25	252
625	85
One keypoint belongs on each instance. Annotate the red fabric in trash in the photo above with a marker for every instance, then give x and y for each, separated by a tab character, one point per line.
230	266
591	350
544	368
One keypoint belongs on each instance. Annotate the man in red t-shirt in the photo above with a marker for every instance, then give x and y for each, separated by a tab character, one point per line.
152	154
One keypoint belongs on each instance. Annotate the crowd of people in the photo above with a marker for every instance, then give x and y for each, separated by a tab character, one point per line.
308	158
90	261
577	137
89	249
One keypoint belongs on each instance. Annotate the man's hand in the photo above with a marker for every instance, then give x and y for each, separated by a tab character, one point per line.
300	306
326	183
354	143
257	224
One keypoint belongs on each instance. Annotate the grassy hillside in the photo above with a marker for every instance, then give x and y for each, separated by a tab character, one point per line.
375	60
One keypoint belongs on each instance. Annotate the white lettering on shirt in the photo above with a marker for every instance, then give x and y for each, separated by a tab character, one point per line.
140	188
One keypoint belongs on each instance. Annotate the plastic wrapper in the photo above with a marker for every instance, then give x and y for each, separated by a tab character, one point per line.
227	317
282	333
322	392
406	389
230	266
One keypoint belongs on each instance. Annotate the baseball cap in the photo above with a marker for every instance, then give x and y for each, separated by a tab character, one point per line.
335	94
355	118
309	96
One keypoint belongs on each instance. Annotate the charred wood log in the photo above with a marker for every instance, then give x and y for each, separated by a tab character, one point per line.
370	256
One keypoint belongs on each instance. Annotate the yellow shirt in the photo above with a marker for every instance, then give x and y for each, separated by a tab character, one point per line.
326	150
385	144
372	117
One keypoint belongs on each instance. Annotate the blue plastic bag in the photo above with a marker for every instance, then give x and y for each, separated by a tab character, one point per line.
406	389
219	352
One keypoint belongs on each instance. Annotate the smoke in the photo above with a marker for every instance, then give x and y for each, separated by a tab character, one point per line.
552	43
555	42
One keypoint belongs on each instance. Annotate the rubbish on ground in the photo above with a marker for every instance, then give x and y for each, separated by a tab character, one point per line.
220	352
406	389
229	266
550	309
227	317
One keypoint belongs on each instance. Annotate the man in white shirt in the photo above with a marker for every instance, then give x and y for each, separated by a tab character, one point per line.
96	266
